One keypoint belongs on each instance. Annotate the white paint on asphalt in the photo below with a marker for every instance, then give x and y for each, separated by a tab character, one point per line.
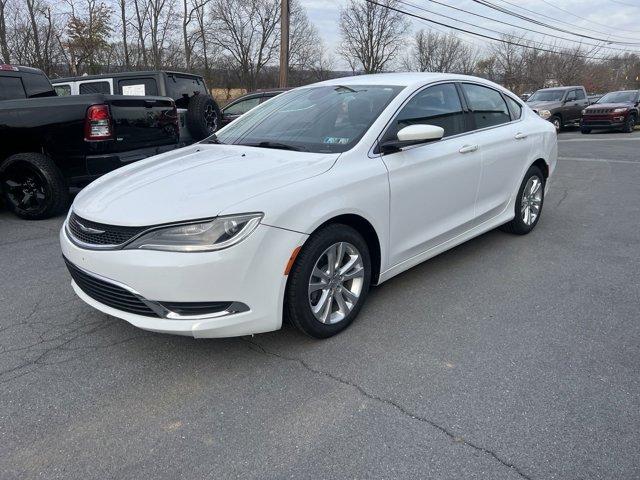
597	160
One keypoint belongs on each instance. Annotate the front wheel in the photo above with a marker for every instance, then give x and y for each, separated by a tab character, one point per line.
630	124
329	281
585	130
529	200
32	186
557	122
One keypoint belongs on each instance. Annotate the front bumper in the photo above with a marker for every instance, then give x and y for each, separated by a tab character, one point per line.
604	122
250	273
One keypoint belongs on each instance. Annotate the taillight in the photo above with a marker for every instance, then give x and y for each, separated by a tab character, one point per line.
97	124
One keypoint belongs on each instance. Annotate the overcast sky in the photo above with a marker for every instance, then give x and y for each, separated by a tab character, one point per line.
620	18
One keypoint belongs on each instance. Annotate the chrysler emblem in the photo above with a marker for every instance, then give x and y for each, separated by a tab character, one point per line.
89	230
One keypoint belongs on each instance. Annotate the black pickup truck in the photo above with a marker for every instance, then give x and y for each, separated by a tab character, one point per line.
50	143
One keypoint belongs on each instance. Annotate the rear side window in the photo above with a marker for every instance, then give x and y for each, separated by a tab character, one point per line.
516	109
62	90
182	88
11	88
243	106
438	105
487	105
37	85
580	95
95	87
137	86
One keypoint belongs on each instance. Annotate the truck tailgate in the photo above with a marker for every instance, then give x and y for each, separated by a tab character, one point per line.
140	122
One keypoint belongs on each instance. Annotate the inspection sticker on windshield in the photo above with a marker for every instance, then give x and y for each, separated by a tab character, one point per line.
335	140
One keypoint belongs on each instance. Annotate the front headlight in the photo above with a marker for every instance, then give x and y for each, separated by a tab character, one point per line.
544	113
619	110
216	234
584	112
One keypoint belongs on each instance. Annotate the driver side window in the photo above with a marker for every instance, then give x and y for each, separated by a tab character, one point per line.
571	96
438	105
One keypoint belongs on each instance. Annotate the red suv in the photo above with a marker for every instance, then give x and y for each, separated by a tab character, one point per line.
615	110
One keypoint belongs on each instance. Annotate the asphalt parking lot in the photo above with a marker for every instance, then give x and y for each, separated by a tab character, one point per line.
505	358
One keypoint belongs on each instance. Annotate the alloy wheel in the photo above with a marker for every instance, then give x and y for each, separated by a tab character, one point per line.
25	188
531	201
336	283
210	118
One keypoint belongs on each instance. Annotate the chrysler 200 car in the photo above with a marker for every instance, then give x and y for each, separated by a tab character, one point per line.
295	209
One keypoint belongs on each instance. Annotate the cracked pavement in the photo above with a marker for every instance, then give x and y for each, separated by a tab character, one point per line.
505	358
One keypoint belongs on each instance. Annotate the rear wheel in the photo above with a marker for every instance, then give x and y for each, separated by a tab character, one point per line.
630	124
529	200
329	281
32	186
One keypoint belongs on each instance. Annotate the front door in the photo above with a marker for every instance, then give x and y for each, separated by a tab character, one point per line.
432	186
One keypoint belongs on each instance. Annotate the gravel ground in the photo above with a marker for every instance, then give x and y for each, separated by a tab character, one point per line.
507	357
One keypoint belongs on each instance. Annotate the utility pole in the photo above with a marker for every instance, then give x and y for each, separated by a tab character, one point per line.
284	43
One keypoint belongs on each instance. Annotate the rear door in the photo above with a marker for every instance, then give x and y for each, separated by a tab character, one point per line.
504	144
142	122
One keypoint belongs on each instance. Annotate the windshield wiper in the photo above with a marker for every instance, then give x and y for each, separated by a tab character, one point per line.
278	145
212	139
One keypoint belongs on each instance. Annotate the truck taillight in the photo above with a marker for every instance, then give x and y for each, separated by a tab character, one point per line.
97	124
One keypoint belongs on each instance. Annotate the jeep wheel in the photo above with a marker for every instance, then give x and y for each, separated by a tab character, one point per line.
630	124
557	122
203	116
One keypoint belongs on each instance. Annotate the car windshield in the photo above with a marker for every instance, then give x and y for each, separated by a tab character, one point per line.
546	96
323	119
618	97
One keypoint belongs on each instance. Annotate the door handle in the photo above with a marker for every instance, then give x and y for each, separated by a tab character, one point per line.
520	136
468	148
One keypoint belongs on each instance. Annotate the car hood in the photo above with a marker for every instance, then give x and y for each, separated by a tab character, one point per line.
194	182
544	105
609	105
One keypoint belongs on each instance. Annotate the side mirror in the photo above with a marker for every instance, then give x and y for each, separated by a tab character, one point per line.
413	135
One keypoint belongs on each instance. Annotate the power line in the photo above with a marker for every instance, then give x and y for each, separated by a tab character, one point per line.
562	22
511	25
583	18
537	22
502	40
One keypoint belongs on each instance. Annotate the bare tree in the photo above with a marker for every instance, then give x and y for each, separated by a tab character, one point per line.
87	33
372	34
4	46
436	52
123	23
246	30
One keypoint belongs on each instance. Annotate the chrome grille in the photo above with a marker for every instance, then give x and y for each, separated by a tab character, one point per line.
98	234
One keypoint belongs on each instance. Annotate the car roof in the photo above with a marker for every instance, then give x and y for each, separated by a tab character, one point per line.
143	73
561	88
398	79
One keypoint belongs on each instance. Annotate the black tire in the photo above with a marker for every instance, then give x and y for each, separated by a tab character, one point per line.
557	122
585	130
518	225
32	186
203	116
297	307
630	124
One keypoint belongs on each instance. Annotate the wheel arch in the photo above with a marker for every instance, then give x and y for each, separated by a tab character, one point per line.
543	166
368	232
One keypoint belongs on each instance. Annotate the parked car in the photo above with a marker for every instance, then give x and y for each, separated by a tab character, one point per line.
199	113
243	104
49	143
562	106
615	110
312	197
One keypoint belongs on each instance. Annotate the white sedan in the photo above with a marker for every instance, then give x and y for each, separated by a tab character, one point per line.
295	209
